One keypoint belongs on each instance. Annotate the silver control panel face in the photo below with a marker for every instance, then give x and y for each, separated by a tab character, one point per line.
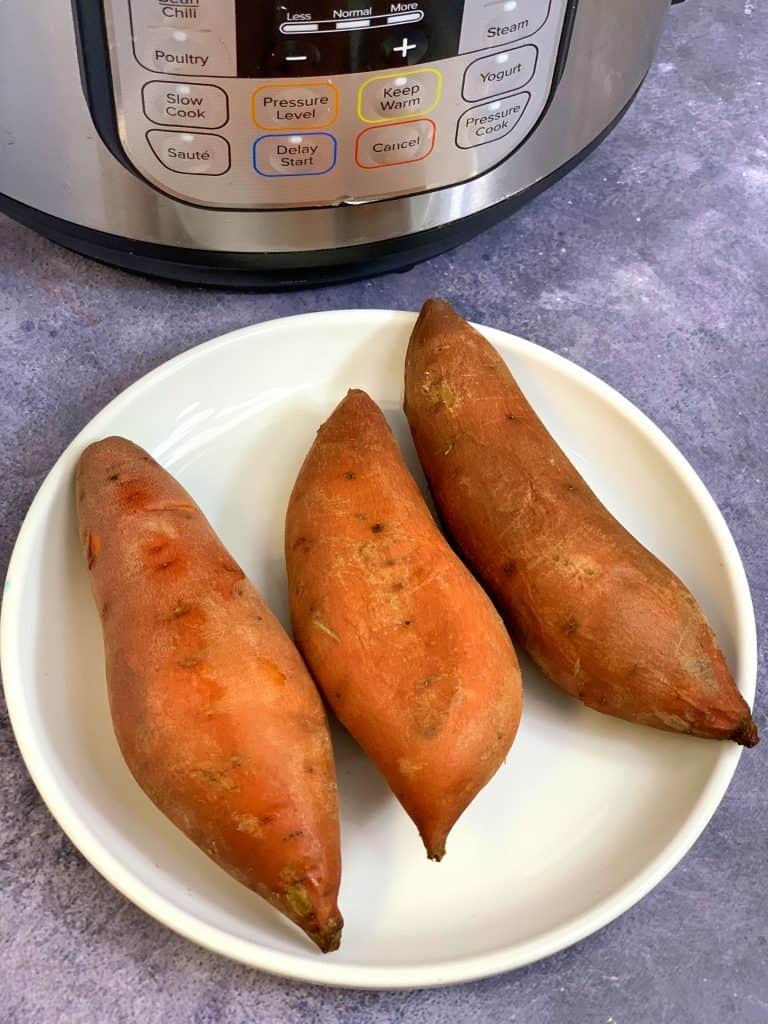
293	127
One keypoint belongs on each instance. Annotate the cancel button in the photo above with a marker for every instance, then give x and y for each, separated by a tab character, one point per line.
394	144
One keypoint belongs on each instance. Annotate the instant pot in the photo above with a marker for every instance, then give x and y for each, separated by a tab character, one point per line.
249	142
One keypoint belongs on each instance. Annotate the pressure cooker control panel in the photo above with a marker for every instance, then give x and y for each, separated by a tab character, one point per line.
246	104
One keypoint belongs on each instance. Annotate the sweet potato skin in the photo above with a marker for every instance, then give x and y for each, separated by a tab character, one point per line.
604	618
214	711
408	650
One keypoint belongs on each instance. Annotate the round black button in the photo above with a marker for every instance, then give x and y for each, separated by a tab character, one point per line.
292	58
401	48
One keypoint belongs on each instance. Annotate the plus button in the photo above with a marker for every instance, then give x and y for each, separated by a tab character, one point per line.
404	48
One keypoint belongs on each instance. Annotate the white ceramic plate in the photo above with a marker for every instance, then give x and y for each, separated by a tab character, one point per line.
585	817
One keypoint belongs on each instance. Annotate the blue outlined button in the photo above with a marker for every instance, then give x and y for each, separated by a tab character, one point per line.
295	155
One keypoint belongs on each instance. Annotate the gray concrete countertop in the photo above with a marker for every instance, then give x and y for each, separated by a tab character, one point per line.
647	265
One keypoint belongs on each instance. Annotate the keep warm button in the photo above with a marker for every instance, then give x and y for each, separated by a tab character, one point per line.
400	95
281	156
490	121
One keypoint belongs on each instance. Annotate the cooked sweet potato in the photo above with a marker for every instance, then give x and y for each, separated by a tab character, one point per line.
604	618
408	650
213	708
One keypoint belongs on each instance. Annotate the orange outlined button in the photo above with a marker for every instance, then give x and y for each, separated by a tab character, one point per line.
391	145
295	107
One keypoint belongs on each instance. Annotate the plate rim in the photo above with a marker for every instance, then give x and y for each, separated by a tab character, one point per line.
324	971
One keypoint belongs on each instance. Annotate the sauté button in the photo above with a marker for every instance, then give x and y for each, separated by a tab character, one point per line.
189	153
490	121
281	156
499	73
394	144
309	105
184	52
399	95
185	103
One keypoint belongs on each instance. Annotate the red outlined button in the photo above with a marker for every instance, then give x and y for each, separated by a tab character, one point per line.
392	145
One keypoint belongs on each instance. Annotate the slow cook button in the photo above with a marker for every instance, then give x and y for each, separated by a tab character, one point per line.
182	52
188	153
402	94
309	105
490	121
184	103
281	156
500	73
395	144
510	20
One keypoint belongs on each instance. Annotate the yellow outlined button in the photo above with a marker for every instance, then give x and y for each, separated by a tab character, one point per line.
399	95
298	106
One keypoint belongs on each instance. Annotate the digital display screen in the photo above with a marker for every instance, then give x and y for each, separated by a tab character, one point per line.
322	37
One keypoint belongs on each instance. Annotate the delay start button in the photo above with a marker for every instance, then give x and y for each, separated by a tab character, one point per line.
490	121
393	144
188	153
282	156
308	105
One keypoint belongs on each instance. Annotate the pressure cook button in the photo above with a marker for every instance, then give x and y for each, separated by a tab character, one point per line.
514	19
394	144
183	52
490	121
189	153
282	156
309	105
187	104
499	73
396	96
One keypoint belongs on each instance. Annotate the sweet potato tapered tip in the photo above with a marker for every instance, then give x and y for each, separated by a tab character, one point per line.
602	616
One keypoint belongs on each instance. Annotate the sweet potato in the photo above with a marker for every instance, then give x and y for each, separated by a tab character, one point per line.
213	709
604	618
406	647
